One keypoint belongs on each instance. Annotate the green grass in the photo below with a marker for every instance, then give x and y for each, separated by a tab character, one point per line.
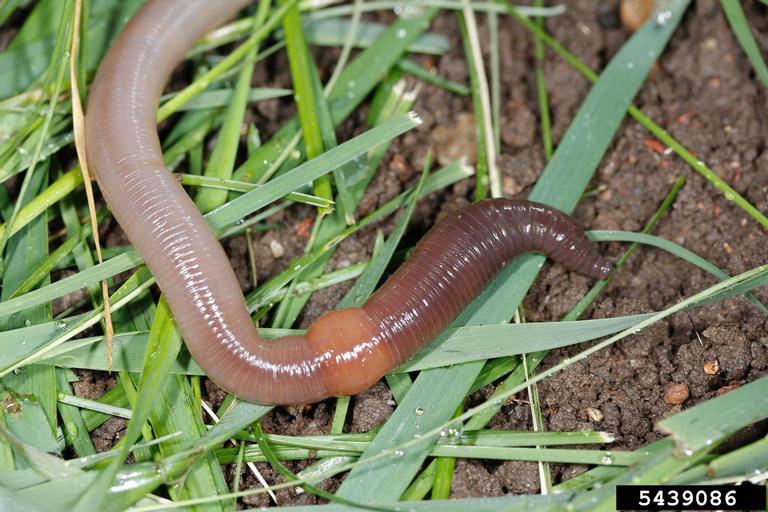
47	458
743	33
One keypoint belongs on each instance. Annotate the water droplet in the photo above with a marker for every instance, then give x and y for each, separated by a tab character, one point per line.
630	65
607	459
663	17
402	33
456	432
406	11
61	324
419	411
443	433
398	453
27	322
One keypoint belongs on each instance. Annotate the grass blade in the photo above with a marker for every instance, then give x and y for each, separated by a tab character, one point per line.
738	21
221	163
75	430
487	171
304	76
34	422
331	159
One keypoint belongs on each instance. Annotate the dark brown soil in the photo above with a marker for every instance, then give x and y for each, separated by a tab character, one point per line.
704	92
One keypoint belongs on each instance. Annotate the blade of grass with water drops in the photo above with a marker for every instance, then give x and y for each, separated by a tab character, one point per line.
164	344
35	386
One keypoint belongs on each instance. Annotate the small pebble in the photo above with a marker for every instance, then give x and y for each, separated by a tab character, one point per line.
710	44
676	393
594	415
304	227
456	140
654	145
519	127
277	249
633	13
711	367
400	165
510	186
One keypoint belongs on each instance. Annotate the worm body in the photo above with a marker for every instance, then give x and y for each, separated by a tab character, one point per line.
344	351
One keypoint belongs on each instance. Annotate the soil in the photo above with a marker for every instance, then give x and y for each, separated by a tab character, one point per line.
705	94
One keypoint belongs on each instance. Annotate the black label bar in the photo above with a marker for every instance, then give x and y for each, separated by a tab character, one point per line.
690	497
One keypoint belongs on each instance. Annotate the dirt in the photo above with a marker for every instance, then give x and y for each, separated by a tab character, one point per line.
704	93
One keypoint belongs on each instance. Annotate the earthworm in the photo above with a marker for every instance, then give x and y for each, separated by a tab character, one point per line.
344	351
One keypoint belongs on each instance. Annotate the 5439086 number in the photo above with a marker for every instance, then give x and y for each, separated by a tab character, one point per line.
690	497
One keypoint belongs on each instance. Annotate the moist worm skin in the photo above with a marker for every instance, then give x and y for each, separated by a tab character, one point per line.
344	351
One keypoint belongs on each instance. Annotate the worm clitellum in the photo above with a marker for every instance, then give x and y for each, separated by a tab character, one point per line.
344	351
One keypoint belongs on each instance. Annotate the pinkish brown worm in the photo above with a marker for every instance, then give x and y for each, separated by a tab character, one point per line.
344	351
